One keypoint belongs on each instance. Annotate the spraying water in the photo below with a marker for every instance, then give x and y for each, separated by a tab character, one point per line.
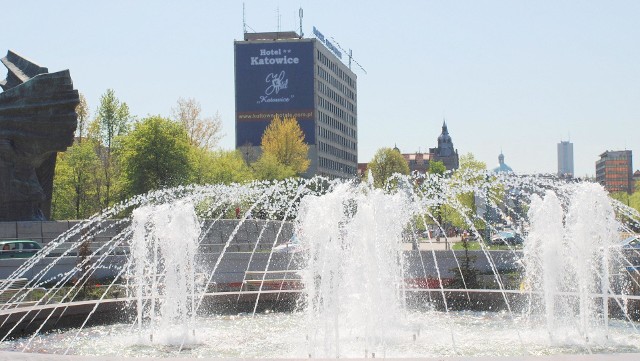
354	275
162	272
568	261
357	249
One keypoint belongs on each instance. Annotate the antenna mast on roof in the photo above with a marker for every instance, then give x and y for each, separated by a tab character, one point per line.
300	16
278	17
244	22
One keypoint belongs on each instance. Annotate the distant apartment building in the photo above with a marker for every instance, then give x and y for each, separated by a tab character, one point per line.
286	74
565	159
614	170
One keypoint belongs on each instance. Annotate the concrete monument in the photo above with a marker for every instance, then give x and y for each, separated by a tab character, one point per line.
37	120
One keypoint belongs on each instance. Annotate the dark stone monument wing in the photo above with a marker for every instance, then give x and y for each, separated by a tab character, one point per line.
37	120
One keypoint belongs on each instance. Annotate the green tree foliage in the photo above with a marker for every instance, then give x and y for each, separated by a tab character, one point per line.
154	155
204	132
472	172
632	200
219	167
283	140
269	167
83	118
436	167
76	182
385	163
468	162
112	120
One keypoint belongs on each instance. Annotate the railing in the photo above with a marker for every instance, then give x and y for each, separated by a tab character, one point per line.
16	289
272	280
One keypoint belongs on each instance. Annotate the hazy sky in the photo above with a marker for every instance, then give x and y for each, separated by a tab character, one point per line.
513	75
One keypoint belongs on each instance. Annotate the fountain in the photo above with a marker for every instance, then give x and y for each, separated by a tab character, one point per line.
327	269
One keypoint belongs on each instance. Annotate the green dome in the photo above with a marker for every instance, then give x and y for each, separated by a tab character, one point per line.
502	167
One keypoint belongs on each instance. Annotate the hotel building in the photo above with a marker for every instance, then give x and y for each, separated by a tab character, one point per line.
283	73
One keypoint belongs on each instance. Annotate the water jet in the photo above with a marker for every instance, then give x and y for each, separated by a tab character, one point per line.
355	286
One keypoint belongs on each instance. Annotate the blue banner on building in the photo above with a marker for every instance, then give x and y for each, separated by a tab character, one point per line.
273	78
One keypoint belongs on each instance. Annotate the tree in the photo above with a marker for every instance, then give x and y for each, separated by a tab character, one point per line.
269	167
436	167
284	140
112	120
468	162
219	167
203	132
470	174
155	154
82	109
632	200
385	163
75	195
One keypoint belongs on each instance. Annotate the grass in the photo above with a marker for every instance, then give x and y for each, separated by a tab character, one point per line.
475	246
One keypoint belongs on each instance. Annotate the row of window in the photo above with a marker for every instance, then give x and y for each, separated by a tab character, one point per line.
336	69
339	112
336	124
336	166
336	83
324	89
337	152
336	138
621	171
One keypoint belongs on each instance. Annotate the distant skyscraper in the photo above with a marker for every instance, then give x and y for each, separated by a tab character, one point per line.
565	159
614	171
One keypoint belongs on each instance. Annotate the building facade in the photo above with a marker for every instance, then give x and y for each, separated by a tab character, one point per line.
614	170
282	73
445	152
565	159
418	162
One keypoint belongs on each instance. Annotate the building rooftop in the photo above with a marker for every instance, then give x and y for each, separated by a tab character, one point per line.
274	35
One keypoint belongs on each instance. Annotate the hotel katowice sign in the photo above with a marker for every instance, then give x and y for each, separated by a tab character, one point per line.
273	78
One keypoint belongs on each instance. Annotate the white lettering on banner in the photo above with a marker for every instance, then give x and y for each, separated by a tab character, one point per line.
274	57
276	82
266	99
256	60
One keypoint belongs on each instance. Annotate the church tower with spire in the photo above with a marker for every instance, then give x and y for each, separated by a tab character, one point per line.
445	152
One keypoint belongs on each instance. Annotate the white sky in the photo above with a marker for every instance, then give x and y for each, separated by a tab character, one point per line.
513	75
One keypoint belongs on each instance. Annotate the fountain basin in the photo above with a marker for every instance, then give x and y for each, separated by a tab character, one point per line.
423	334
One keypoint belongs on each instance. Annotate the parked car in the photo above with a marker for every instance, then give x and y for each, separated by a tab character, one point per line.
507	237
19	248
